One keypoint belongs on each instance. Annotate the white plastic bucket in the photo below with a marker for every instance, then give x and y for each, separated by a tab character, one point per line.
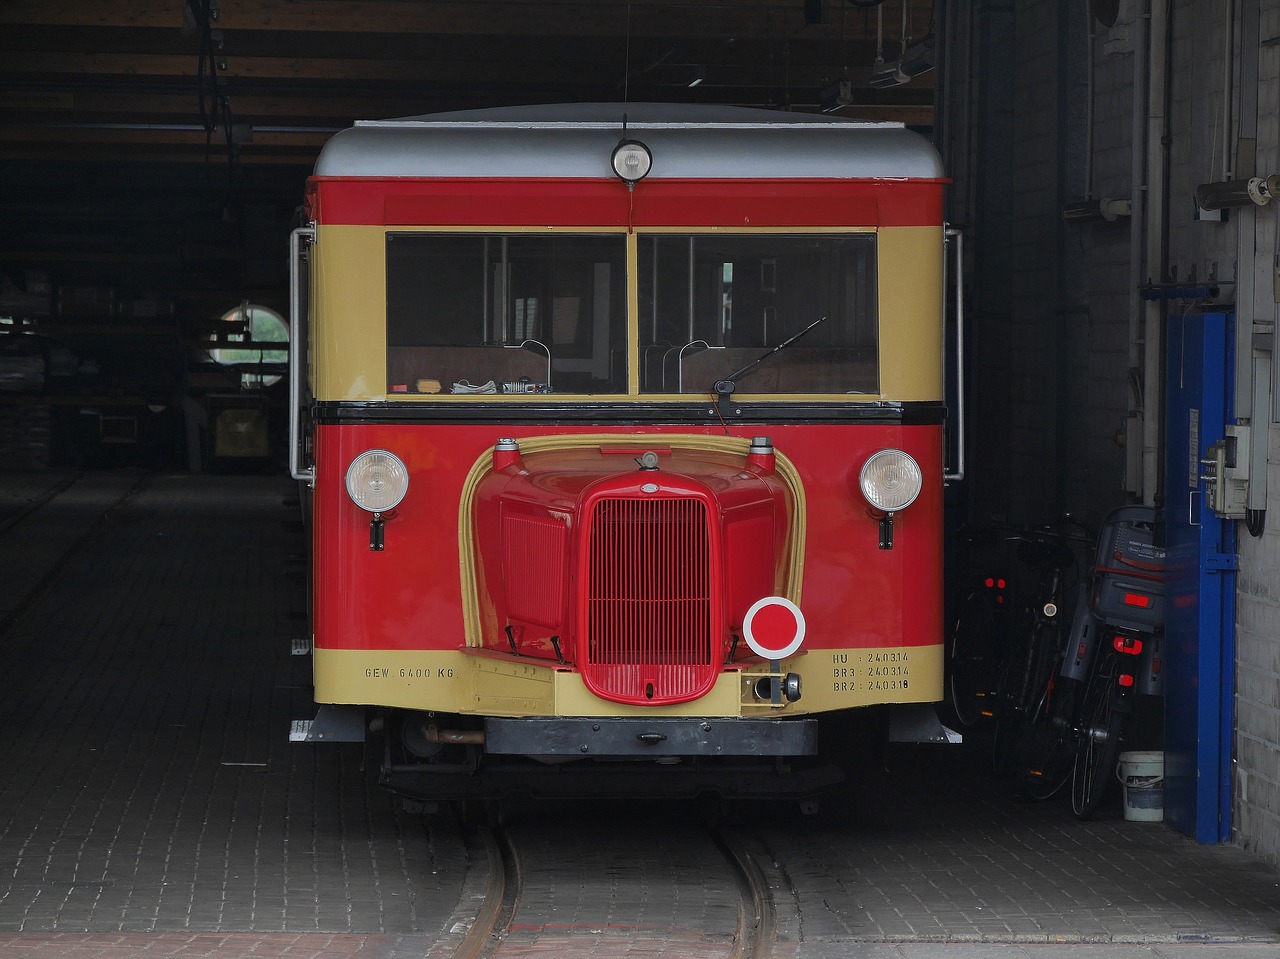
1142	775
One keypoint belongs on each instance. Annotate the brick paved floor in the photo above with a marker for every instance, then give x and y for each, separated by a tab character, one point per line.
148	783
208	945
150	804
928	850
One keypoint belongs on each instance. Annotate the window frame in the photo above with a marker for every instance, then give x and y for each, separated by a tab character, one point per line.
631	388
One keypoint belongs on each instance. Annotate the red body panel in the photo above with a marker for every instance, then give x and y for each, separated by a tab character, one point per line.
409	596
548	201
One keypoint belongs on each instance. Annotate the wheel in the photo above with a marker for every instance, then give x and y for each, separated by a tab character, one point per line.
1010	714
1098	743
1046	660
972	658
1051	745
1025	688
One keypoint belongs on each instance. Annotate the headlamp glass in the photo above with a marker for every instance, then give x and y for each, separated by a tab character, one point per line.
377	481
890	480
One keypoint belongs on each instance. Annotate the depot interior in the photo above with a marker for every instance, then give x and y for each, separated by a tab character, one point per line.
1113	164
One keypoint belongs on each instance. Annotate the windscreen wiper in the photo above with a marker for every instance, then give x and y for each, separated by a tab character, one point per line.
725	388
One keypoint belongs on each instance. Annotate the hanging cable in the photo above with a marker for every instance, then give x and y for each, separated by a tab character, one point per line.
207	65
215	108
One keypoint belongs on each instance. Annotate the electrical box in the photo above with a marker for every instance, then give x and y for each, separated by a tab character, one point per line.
1225	473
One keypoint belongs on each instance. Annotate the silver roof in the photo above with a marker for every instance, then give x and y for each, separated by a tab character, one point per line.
577	139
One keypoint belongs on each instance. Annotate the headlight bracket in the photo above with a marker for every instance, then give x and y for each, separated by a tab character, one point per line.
886	531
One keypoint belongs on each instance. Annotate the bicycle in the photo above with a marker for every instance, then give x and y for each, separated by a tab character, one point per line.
990	674
1026	692
1051	752
1111	658
980	634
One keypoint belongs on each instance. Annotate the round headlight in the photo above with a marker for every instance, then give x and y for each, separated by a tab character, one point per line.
377	480
890	480
632	160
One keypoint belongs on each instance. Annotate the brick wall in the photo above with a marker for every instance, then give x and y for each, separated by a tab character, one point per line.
1257	787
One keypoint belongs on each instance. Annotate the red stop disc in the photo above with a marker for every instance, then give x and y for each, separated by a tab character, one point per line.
774	627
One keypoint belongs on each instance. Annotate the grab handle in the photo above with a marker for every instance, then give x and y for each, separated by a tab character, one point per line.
951	233
297	355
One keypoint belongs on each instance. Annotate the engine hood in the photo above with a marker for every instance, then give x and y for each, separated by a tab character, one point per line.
633	565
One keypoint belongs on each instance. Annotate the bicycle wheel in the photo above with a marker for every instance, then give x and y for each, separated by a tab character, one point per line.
1046	659
1009	711
972	658
1024	696
1099	741
1051	745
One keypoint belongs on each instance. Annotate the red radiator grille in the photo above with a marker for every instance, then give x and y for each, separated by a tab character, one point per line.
650	602
533	550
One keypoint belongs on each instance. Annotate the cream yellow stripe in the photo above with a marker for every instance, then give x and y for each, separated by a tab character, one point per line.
633	315
910	283
453	681
349	316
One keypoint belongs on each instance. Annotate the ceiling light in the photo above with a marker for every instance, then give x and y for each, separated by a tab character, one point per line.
835	95
884	75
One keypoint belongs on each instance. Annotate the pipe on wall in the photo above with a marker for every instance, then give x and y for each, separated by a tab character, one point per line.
1228	74
1156	226
1091	37
1137	204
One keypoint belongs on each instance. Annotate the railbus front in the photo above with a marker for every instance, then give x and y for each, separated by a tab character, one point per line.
622	428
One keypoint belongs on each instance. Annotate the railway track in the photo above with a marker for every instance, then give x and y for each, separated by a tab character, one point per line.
596	888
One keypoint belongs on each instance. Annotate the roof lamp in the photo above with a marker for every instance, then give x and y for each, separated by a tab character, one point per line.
631	161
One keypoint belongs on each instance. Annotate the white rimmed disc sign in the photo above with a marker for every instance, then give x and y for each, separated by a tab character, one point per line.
774	627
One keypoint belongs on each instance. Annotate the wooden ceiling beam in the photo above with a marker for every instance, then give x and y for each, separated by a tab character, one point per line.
127	107
137	153
321	64
746	67
331	53
320	105
529	18
299	141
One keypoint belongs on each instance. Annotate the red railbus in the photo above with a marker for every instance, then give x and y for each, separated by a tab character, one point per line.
622	430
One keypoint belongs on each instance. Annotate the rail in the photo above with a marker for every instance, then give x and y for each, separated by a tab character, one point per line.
498	893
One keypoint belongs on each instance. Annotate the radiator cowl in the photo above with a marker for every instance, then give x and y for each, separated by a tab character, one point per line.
636	578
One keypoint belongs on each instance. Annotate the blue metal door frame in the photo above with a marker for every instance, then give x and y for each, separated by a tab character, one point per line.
1200	598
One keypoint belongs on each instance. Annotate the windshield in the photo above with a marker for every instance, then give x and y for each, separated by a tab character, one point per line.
495	313
514	313
711	304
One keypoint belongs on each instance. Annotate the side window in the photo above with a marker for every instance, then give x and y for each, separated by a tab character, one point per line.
506	313
258	345
710	304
